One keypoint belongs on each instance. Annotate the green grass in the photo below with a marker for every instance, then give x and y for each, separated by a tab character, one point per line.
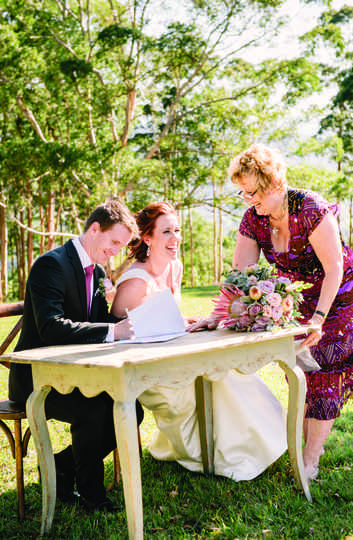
179	504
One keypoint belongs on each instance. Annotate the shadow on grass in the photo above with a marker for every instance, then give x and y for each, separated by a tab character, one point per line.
179	504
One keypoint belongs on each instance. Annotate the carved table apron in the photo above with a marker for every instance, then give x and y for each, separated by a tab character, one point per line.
126	370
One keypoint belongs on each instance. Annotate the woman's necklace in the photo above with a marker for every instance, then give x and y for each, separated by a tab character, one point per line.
274	229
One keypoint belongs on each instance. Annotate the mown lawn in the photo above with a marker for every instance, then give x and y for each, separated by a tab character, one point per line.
179	504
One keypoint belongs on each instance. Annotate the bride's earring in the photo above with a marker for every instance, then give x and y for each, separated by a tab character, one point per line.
148	251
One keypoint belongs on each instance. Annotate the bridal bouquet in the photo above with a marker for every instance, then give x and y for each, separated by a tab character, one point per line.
257	300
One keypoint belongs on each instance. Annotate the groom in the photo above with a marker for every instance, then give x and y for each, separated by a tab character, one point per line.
63	305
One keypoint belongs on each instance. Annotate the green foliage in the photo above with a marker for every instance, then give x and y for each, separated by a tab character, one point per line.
346	90
96	102
75	68
318	179
116	36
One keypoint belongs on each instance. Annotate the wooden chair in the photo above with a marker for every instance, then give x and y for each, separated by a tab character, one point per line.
9	411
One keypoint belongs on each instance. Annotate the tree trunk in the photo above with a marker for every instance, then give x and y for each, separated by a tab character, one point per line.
21	260
129	110
29	237
191	250
214	254
182	221
42	218
50	221
3	255
75	216
220	244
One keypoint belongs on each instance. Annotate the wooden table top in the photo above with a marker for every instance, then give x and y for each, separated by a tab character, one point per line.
122	354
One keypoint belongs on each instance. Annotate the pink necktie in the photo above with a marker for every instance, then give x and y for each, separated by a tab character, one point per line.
89	273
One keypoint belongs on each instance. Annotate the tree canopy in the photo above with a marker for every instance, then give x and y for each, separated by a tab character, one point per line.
146	100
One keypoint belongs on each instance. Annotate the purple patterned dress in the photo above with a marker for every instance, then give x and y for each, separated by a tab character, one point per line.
329	388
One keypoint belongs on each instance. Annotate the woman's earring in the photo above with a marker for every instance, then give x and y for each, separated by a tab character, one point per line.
148	251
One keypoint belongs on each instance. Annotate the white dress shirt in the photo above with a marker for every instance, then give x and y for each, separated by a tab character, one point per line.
86	261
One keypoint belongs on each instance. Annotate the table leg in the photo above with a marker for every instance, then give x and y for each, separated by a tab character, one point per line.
296	401
128	448
203	394
39	429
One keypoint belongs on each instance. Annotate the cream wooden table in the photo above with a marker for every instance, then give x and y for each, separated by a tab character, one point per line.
126	370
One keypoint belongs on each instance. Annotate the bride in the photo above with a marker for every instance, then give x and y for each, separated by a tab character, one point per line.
249	423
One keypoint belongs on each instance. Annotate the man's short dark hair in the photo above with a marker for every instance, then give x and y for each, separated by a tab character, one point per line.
111	212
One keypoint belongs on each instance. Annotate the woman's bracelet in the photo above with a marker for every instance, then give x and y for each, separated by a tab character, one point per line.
321	313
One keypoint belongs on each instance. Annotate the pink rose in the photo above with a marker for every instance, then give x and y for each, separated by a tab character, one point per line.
267	287
277	313
274	299
254	310
255	293
287	304
252	279
107	284
267	311
284	280
260	324
244	322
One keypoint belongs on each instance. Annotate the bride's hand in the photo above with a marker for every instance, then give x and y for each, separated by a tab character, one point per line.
202	324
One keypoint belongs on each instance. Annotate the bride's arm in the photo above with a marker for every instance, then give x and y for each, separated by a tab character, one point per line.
129	294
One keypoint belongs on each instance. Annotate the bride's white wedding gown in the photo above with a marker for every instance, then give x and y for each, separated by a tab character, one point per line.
249	422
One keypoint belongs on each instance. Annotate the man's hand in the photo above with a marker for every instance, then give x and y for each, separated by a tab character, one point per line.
124	330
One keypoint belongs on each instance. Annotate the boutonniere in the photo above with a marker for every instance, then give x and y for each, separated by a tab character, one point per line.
105	286
101	287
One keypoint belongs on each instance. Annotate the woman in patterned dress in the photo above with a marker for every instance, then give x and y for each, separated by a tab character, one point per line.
297	231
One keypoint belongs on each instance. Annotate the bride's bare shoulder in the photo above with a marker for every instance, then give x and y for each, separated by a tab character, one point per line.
178	268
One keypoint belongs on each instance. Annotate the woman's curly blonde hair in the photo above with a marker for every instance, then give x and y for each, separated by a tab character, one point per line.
267	164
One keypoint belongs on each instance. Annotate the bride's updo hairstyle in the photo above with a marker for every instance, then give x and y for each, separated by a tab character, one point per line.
267	164
146	221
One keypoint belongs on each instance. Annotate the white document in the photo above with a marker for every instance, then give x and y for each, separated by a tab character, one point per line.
157	319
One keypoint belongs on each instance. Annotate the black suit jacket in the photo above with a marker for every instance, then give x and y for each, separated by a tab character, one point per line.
55	311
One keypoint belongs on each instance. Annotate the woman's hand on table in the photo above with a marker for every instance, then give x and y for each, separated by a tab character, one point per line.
202	324
314	337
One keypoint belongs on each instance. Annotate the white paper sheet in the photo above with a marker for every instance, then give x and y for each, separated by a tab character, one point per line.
157	319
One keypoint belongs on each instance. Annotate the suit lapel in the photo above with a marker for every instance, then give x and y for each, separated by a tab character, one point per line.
80	277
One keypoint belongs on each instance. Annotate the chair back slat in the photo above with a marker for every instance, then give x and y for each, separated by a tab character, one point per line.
10	310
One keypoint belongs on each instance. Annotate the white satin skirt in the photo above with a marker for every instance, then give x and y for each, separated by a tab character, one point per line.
249	426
